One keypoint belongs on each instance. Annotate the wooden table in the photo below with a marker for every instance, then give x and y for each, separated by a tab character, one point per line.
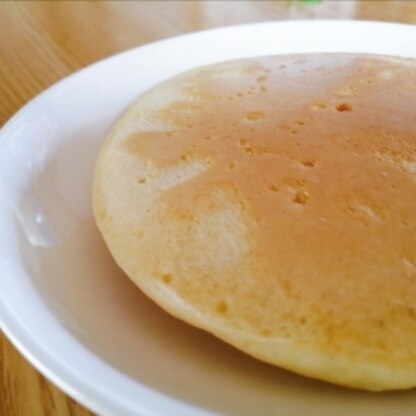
43	41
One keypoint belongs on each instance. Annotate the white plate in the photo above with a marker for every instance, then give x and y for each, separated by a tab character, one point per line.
65	304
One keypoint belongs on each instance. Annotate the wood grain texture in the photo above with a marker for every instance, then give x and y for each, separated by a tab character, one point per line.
41	42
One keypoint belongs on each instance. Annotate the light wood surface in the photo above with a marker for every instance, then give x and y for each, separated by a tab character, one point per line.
43	41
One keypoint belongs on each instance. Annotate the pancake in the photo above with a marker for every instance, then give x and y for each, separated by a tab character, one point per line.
272	202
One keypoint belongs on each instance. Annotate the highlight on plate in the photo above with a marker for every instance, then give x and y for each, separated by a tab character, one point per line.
272	202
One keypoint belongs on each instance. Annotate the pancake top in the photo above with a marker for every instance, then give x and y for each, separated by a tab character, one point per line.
274	197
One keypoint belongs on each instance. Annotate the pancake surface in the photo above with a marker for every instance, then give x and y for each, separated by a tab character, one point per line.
272	202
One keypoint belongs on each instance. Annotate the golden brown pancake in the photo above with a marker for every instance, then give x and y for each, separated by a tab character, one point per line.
272	202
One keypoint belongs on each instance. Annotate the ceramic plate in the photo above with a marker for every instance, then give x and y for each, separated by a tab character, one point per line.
65	304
